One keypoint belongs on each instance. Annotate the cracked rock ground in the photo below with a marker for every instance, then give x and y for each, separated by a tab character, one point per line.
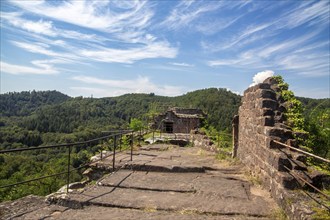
162	182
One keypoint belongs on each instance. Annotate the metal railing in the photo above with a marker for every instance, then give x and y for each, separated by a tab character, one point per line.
303	152
116	135
300	179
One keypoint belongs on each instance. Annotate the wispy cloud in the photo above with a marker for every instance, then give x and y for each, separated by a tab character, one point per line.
47	28
154	50
95	14
300	54
247	36
182	64
311	13
44	49
315	13
122	23
119	87
38	69
212	27
188	11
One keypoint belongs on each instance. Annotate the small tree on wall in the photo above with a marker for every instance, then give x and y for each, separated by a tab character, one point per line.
294	113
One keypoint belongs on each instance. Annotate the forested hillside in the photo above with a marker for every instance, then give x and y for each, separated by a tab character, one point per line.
27	117
24	103
44	118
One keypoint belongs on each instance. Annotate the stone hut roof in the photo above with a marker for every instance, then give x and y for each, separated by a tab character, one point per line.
187	113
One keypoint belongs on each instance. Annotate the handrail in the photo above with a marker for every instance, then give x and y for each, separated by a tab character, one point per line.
303	152
311	185
69	156
63	145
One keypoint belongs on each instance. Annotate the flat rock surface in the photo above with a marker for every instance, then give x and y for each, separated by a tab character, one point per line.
162	182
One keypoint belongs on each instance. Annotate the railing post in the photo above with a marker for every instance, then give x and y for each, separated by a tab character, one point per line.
114	153
153	136
121	137
132	143
68	177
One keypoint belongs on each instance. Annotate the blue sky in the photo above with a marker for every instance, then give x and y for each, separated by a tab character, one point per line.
109	48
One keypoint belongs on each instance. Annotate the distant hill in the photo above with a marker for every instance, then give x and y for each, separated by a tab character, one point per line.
24	103
312	105
52	111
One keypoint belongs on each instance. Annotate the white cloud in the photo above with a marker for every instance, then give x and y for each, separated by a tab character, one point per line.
39	27
222	62
42	48
120	87
261	76
188	11
316	13
47	28
94	14
40	69
182	64
35	48
152	50
210	28
300	54
124	27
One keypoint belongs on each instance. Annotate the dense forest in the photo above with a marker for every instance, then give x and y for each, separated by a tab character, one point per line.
49	117
43	118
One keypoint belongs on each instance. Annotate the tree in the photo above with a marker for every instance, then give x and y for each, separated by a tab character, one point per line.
136	124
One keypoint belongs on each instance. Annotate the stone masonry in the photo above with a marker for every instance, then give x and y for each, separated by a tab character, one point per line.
260	120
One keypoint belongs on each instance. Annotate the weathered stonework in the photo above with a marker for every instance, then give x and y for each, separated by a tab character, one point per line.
179	120
260	121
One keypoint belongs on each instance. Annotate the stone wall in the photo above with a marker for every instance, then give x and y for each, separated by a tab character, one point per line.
260	120
204	142
179	119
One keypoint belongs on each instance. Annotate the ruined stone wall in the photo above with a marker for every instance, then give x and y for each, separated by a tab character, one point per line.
185	125
260	121
180	124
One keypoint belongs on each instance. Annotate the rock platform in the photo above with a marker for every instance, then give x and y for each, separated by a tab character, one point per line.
162	182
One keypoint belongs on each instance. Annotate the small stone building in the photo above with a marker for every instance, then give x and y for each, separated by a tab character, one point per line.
179	120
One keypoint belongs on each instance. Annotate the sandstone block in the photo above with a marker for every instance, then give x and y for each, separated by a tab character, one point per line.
267	121
297	165
270	80
278	132
268	103
300	157
266	93
261	86
286	181
267	112
282	164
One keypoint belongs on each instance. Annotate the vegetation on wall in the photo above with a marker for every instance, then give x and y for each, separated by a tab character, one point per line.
309	116
294	108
